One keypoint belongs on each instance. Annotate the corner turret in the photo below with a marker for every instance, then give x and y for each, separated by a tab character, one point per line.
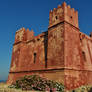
63	13
23	35
20	35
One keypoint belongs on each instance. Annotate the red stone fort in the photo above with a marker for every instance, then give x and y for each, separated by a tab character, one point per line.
62	53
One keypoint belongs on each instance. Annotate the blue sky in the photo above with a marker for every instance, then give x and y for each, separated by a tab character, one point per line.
33	14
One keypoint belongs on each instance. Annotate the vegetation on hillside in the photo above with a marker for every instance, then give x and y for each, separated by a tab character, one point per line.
82	89
37	83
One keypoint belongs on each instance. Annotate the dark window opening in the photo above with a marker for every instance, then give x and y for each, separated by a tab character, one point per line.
84	56
80	40
56	17
38	39
34	57
71	17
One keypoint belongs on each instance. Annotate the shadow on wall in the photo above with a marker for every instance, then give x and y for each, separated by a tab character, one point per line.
46	47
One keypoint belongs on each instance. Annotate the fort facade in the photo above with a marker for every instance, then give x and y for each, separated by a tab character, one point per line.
62	53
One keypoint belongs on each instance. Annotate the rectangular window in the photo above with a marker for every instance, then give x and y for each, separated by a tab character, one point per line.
34	57
84	56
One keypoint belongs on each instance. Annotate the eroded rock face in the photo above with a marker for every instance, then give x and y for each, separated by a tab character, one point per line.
62	53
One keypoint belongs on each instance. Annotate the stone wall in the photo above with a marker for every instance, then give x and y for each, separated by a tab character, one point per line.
50	75
43	52
77	57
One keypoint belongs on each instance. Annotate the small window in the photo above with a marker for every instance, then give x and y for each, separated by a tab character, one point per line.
34	57
56	17
84	56
80	40
71	17
38	39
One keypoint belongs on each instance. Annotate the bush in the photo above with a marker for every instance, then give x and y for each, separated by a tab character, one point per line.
35	82
83	89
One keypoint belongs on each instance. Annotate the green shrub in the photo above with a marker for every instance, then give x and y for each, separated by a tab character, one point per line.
35	82
83	89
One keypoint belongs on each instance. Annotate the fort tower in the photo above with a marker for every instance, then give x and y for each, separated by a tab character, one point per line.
62	53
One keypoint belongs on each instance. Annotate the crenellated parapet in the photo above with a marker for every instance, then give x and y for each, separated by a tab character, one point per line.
84	36
70	15
29	34
63	13
23	35
20	35
56	15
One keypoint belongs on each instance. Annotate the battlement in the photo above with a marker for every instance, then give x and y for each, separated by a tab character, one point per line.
23	35
63	13
82	36
56	15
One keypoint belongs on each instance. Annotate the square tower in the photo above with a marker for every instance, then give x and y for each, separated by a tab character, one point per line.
62	53
63	13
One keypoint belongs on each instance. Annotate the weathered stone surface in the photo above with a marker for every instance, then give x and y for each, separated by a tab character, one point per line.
62	53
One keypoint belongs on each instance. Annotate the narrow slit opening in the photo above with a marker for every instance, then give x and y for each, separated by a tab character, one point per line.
34	57
84	56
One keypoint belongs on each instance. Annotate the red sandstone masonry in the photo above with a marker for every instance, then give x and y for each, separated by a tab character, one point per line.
63	53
